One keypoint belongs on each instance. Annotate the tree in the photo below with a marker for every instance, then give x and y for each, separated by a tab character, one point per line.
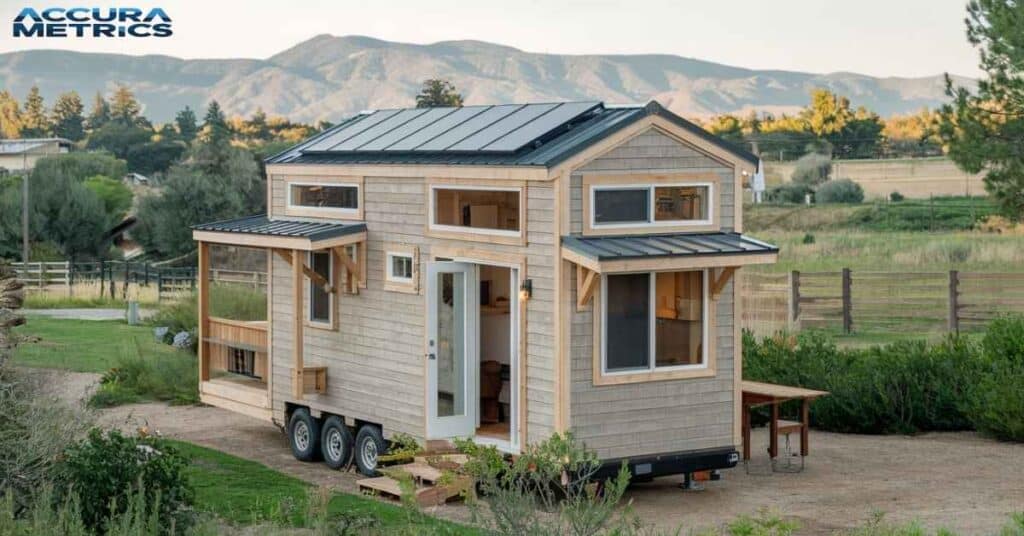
727	127
154	157
436	93
984	131
68	121
100	113
123	106
35	124
10	116
827	114
812	169
115	196
185	121
118	138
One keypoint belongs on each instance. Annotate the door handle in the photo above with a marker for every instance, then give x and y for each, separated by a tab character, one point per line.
431	355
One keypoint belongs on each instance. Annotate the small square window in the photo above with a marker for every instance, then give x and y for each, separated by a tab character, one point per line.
399	268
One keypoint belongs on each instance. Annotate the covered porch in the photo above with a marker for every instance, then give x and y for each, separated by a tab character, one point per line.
235	358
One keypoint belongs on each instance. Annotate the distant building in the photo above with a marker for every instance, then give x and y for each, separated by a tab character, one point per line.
136	179
21	155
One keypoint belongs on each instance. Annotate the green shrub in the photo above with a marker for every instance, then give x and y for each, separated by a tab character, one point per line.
839	191
807	239
790	192
138	377
996	401
896	197
812	169
111	469
903	387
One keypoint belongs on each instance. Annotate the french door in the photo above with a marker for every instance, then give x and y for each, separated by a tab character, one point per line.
452	347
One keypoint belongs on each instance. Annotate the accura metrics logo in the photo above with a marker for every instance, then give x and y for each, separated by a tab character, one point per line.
61	22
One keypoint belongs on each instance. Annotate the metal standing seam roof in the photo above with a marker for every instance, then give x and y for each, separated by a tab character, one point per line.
505	135
261	225
604	248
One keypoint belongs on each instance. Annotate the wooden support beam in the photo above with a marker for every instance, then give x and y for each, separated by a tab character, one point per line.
298	316
313	276
355	272
586	282
204	310
722	278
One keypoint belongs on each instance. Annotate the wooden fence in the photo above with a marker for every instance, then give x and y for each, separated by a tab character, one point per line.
878	302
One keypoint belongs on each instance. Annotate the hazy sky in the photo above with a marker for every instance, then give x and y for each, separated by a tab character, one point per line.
877	37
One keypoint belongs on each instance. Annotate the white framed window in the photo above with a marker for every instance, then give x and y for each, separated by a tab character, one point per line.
660	322
618	206
399	267
486	210
324	197
321	302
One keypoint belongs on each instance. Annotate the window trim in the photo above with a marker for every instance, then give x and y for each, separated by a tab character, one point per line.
410	285
603	376
389	275
477	234
293	209
651	222
331	296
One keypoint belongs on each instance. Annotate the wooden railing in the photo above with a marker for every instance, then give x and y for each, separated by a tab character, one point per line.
223	335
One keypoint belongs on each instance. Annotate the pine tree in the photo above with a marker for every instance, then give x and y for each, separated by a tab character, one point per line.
186	123
437	93
35	124
123	106
100	114
68	121
10	116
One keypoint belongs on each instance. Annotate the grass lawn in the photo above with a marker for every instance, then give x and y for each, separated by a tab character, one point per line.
245	492
85	345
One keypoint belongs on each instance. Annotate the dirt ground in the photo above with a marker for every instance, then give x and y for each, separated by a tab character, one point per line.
954	480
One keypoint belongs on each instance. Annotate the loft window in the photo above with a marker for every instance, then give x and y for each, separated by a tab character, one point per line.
654	321
319	297
342	198
484	210
633	205
399	267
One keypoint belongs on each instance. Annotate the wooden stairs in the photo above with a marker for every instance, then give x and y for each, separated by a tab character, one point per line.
434	474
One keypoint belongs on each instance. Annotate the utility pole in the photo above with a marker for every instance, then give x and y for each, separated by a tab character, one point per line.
24	209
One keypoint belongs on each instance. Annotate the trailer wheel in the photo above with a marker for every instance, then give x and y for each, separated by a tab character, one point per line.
304	435
369	446
336	443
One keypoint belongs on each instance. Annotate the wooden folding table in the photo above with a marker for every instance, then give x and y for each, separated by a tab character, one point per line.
762	394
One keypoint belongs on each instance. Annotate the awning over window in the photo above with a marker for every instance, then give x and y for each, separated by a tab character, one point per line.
260	231
677	251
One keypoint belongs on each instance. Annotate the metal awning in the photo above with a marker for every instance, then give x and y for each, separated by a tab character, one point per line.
676	251
261	231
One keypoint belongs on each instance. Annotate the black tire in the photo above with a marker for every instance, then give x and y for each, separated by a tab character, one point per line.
304	436
370	445
336	443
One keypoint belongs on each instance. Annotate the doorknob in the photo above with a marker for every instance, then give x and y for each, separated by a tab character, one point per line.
431	355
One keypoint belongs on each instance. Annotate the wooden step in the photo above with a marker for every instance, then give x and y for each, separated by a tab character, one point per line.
420	472
428	492
381	485
457	459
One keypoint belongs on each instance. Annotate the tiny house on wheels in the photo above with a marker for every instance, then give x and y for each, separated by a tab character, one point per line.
500	273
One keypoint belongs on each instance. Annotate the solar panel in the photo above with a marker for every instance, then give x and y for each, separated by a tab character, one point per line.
370	134
437	128
351	130
402	131
468	128
511	122
551	120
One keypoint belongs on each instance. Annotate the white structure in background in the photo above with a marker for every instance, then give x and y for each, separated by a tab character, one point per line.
757	183
136	179
17	156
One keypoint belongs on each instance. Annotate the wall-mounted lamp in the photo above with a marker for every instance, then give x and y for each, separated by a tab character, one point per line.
526	289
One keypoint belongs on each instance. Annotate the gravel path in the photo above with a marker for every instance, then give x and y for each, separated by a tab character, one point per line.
955	480
86	314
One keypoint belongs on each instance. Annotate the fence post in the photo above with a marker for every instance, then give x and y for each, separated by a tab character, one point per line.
70	277
954	301
110	271
159	286
847	302
794	300
127	270
102	274
42	275
147	273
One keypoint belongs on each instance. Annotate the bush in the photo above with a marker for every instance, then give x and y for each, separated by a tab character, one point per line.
790	192
996	401
112	469
812	169
138	377
904	387
839	191
896	197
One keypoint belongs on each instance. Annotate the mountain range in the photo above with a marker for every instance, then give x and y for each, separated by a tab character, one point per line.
330	77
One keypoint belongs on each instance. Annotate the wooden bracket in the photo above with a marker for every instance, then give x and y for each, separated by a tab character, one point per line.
315	277
719	281
355	275
586	282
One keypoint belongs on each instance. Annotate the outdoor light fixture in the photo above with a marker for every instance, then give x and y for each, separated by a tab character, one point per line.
526	289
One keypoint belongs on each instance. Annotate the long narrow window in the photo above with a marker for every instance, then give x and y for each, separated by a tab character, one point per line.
651	205
327	198
319	297
486	210
654	321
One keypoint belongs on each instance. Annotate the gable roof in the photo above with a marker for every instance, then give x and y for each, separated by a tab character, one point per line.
541	135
